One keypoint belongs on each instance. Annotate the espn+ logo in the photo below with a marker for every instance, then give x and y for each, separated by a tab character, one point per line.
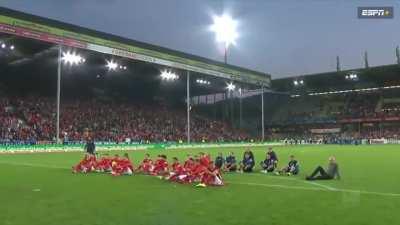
375	12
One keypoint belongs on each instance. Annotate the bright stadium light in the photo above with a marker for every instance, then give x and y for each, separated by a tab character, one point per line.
111	65
298	82
72	58
225	29
168	75
3	45
230	86
12	47
201	81
352	77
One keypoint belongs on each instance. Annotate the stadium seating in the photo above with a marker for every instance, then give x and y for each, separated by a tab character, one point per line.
32	119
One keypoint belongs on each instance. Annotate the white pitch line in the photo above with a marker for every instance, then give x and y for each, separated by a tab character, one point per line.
278	186
296	179
320	185
386	194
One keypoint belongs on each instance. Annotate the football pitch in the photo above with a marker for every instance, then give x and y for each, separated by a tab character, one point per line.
39	189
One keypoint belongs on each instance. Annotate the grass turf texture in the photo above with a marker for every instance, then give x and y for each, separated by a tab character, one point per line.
39	189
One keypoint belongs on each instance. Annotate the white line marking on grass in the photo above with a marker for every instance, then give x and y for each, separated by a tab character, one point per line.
320	185
386	194
279	186
296	179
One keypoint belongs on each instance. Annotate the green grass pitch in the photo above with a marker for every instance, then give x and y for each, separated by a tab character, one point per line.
38	189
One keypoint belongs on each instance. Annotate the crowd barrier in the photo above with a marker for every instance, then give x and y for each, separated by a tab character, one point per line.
123	147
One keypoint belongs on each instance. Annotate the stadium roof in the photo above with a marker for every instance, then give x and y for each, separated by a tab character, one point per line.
380	76
39	28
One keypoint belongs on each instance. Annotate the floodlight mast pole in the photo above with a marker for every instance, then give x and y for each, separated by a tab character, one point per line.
58	93
226	53
188	106
240	108
262	112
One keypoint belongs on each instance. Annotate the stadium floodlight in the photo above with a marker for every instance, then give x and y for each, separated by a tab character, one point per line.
3	45
230	86
298	82
225	29
111	65
72	58
352	76
168	75
201	81
12	47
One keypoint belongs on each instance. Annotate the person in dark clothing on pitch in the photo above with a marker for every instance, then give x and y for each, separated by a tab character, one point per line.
90	147
248	162
219	161
292	168
330	173
268	165
273	156
230	163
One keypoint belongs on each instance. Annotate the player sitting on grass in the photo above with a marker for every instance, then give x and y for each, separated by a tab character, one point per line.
195	173
292	168
189	163
268	165
204	159
247	163
219	161
211	176
330	173
146	166
160	166
273	156
121	166
230	163
86	165
177	171
104	164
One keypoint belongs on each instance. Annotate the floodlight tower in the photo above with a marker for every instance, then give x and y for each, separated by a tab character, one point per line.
71	59
225	30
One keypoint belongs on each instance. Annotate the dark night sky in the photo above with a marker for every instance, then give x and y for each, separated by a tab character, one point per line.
284	38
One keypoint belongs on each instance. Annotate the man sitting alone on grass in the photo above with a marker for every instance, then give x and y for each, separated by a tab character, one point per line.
332	171
292	168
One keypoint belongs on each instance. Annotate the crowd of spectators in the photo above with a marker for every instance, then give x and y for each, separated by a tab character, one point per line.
351	106
34	119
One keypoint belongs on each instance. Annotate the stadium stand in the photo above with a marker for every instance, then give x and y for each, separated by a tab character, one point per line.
31	119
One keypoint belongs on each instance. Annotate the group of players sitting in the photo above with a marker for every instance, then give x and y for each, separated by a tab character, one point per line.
247	164
198	169
115	165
